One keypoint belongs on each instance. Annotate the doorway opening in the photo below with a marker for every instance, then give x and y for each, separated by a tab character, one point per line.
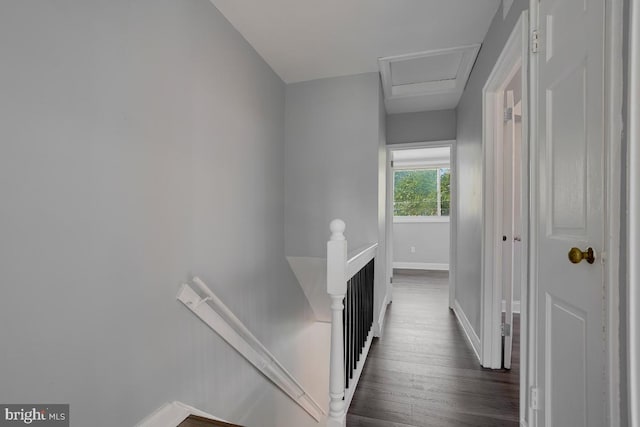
420	214
512	226
505	222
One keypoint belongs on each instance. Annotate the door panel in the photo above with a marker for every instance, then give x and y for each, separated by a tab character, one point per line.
570	358
567	149
565	362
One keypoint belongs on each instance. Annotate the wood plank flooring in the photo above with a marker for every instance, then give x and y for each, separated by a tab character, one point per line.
423	372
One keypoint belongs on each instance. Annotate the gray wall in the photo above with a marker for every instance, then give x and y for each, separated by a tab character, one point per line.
142	143
332	143
430	239
421	127
469	165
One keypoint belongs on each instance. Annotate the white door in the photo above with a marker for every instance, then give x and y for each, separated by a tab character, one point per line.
570	346
508	222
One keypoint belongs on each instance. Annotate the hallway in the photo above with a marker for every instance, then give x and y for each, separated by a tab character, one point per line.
423	371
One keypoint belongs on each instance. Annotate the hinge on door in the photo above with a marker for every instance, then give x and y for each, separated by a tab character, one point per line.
505	330
508	114
391	163
534	41
390	279
533	398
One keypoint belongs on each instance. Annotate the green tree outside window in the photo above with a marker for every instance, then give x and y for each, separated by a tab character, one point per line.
422	192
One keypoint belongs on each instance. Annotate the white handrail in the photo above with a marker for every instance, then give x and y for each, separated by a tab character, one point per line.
359	258
221	319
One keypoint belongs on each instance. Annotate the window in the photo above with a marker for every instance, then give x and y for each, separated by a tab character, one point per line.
422	192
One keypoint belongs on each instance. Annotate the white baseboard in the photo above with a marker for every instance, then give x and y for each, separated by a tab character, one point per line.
516	306
172	414
377	327
421	266
468	330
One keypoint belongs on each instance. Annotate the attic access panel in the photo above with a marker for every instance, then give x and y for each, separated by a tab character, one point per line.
431	72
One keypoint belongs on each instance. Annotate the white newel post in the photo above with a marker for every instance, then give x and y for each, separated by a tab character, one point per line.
337	289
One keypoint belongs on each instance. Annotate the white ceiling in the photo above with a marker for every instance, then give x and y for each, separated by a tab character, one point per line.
311	39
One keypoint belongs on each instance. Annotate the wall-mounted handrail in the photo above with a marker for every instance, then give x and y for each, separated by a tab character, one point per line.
211	310
350	285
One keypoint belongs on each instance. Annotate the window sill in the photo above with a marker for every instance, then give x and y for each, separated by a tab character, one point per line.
407	219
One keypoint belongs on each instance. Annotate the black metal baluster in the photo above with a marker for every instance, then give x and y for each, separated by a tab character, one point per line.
350	334
363	284
345	336
365	314
372	289
356	347
357	317
354	290
354	316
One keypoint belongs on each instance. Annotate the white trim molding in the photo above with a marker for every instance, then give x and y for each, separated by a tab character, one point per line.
411	219
378	327
633	216
528	321
613	133
471	335
421	266
172	414
212	311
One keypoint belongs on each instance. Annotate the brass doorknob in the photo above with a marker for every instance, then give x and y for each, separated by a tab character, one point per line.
576	255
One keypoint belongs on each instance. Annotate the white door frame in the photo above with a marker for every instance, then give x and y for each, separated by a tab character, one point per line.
453	214
613	97
633	215
613	134
513	57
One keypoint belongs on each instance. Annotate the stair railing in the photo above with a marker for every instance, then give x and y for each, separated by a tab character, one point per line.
350	285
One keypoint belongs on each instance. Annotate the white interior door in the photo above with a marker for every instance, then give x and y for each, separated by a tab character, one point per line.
570	346
508	202
518	252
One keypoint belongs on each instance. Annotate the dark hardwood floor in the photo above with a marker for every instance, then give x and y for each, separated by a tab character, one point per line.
423	372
